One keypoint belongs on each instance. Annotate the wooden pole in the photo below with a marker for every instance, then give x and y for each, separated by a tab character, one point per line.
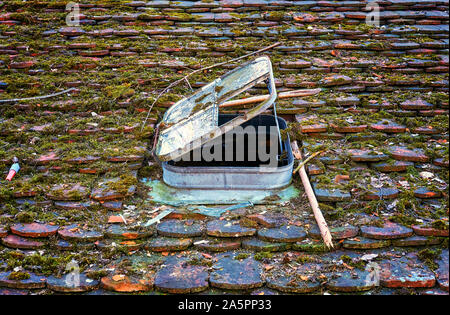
324	230
312	156
262	98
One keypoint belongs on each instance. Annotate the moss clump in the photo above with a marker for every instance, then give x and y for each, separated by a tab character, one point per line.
122	185
145	17
428	256
18	276
117	92
46	264
402	219
246	222
25	217
151	171
200	106
263	255
312	248
200	262
444	243
272	198
15	255
5	193
294	133
359	264
97	274
305	259
440	225
24	17
241	256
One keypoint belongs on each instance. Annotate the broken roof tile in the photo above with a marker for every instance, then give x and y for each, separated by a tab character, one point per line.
222	228
388	231
236	273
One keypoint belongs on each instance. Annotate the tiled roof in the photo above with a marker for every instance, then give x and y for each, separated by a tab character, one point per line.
381	118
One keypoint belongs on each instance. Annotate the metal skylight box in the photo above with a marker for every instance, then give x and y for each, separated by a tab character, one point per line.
200	148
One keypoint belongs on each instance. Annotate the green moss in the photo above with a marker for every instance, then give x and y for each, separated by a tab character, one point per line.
26	217
429	257
302	259
402	219
24	17
293	131
180	16
118	92
355	263
18	276
123	184
271	198
97	274
311	247
241	256
197	261
263	255
5	193
200	106
246	222
440	225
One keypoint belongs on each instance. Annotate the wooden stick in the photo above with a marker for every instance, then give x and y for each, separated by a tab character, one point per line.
261	98
324	230
306	161
299	93
37	97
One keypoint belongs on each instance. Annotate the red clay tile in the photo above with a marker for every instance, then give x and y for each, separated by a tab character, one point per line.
236	274
388	231
63	284
218	245
177	276
289	280
402	273
34	230
284	233
338	233
405	154
223	228
3	232
180	228
75	233
33	282
124	284
429	231
15	241
166	244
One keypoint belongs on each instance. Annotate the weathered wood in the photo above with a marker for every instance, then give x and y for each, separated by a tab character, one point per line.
261	98
324	230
